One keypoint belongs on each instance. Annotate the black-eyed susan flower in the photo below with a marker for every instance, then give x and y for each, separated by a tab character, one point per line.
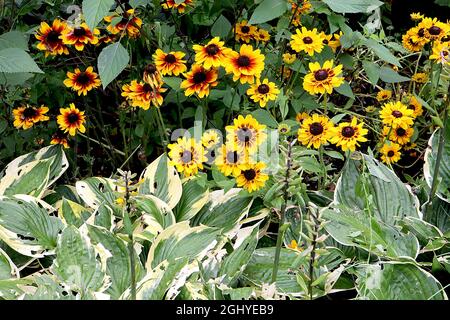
299	117
199	81
262	35
71	120
187	156
441	53
335	42
298	8
284	129
211	138
384	95
152	76
245	32
246	133
434	29
82	81
143	95
315	131
211	55
79	36
415	106
60	138
50	38
416	16
307	40
246	65
420	77
414	39
398	135
348	135
230	159
26	117
390	152
171	63
179	5
396	114
263	92
322	79
129	23
252	178
289	58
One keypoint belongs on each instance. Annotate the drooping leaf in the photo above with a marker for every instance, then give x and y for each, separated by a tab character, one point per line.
193	198
390	76
14	39
95	10
14	60
221	28
268	10
382	52
353	6
111	62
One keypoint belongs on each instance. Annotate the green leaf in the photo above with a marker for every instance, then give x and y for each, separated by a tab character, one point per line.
345	90
268	10
353	6
72	213
382	52
14	39
95	191
372	71
111	62
193	198
173	82
221	28
264	117
390	76
14	60
95	10
398	281
7	267
439	215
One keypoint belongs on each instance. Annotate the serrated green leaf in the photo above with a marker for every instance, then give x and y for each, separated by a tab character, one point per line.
14	60
95	10
111	62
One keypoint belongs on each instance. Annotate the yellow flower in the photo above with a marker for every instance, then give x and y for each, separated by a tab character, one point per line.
384	95
347	135
230	160
370	109
199	81
414	39
252	177
433	28
322	79
180	5
244	31
390	152
143	95
396	114
415	106
80	36
50	38
171	63
60	138
294	246
82	81
213	54
129	22
263	92
420	77
71	120
398	134
335	42
187	156
211	138
246	133
307	40
262	35
245	65
26	117
416	16
299	7
441	53
284	128
301	116
289	58
152	76
315	131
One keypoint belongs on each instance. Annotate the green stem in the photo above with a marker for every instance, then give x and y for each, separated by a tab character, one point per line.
323	177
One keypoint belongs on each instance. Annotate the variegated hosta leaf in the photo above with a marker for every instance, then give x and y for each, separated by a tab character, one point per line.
224	210
398	281
95	191
443	190
359	229
162	180
155	214
34	172
181	240
429	236
11	289
76	263
7	267
439	215
48	288
192	200
391	198
72	213
27	227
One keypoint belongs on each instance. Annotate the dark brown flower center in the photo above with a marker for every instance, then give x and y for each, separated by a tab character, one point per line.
244	135
325	41
249	174
397	114
73	118
307	40
170	58
263	88
245	29
434	30
243	61
315	128
390	153
79	32
421	32
199	77
29	113
401	132
83	78
321	75
412	107
212	49
445	39
53	36
348	132
186	156
147	88
232	157
150	69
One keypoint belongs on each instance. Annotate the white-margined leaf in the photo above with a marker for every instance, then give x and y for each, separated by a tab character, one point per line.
193	198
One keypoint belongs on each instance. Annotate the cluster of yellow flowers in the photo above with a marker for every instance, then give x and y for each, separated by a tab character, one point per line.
246	33
299	8
235	157
429	30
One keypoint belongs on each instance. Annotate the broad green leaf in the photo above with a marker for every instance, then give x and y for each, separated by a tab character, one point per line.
268	10
345	90
390	76
72	213
221	28
162	180
439	215
353	6
111	62
14	79
193	198
264	117
48	288
27	227
382	52
443	191
13	60
7	267
76	262
14	39
11	289
95	10
429	236
398	281
372	71
95	191
181	240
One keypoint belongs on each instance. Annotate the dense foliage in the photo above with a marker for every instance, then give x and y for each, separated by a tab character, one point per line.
197	149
